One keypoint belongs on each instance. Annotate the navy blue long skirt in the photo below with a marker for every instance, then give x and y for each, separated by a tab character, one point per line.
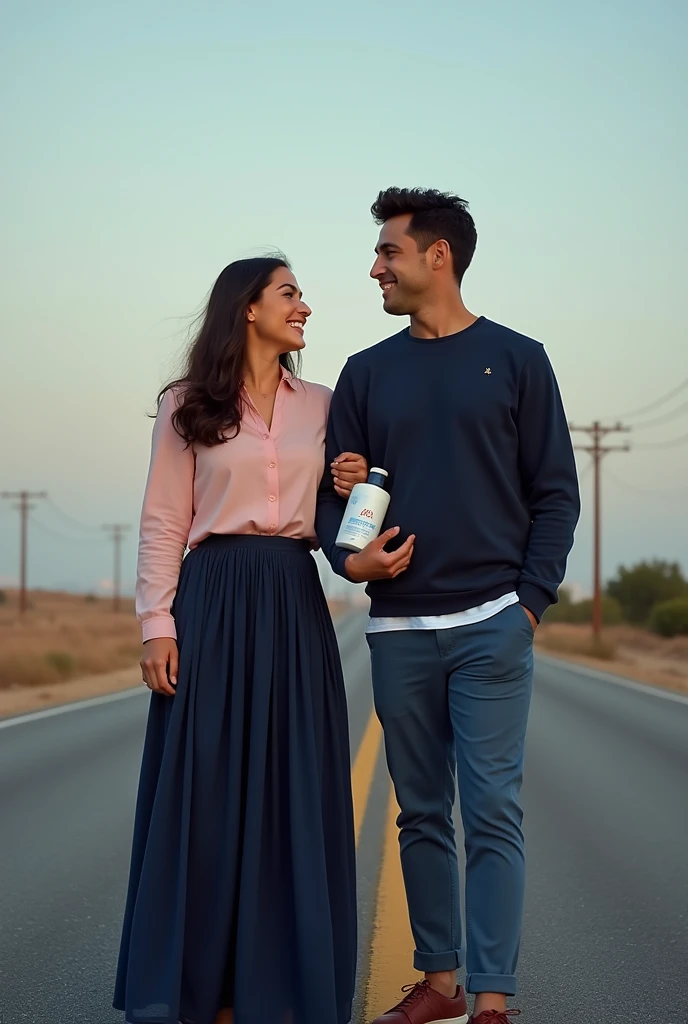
242	884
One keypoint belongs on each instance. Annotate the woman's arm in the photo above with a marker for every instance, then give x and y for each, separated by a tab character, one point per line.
165	524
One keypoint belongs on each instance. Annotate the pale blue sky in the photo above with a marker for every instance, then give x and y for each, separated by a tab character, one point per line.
146	145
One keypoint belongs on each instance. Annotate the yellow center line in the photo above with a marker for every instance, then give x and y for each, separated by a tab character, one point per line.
363	771
391	964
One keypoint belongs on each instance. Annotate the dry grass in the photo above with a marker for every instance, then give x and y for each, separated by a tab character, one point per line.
625	650
69	636
64	636
20	699
79	647
566	639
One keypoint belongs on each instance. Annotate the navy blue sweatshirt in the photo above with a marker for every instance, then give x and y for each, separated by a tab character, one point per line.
473	434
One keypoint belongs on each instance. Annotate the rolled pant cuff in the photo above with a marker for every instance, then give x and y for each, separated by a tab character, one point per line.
430	962
505	984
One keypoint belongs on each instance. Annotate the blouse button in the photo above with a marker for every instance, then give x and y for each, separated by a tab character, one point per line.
266	437
271	465
272	497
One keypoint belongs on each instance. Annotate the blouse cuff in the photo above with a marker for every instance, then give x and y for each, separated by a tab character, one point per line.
160	626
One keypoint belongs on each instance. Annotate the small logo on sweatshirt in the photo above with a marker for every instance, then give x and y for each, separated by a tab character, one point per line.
488	371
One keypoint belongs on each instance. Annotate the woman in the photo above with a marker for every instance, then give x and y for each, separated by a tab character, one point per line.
241	903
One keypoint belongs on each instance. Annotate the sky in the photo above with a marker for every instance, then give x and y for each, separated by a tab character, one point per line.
147	145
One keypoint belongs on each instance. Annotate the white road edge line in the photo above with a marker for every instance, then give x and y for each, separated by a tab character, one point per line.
628	684
607	677
77	705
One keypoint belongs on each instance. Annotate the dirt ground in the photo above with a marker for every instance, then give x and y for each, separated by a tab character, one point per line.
66	647
64	636
61	651
20	699
634	653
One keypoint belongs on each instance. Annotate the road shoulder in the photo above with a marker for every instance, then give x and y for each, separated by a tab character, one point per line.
20	700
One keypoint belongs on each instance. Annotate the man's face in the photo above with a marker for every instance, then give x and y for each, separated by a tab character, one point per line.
400	270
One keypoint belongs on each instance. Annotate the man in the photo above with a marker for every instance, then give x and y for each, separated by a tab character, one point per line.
466	417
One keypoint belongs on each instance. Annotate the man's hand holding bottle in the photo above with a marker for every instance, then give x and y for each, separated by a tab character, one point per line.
374	563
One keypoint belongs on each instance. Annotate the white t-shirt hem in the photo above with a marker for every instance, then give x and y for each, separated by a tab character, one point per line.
469	617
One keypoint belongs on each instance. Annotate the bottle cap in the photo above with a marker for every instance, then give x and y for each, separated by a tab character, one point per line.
376	469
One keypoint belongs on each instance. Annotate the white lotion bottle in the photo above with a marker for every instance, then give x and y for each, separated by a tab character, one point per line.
365	512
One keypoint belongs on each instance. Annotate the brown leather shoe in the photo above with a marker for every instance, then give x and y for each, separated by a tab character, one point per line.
495	1017
423	1005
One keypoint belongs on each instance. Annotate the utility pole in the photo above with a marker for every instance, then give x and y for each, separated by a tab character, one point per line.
117	530
24	498
597	434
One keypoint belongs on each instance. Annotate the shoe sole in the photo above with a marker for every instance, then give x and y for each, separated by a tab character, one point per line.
452	1020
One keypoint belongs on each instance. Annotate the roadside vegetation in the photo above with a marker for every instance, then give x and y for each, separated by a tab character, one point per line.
645	618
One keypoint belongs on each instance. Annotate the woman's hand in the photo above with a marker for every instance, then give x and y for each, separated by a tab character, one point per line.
159	665
348	469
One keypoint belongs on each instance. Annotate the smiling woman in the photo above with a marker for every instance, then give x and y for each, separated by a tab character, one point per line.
241	903
248	310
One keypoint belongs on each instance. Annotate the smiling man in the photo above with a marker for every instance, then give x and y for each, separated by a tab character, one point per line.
466	417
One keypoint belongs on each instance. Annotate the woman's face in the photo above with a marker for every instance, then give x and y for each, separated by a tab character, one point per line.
279	316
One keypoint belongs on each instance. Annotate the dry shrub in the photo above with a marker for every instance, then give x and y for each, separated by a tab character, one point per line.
63	663
26	669
64	636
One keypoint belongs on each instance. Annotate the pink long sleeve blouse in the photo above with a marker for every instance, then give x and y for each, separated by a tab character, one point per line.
259	482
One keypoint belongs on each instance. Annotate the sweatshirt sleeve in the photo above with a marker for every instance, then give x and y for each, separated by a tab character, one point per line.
345	433
165	524
548	472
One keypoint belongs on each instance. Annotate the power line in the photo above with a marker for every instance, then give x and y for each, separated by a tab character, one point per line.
673	443
25	507
70	519
658	402
647	490
597	450
61	536
24	498
666	418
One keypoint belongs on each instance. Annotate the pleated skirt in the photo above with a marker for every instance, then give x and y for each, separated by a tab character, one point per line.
242	881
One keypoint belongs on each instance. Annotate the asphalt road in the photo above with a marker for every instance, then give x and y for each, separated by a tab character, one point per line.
606	799
606	796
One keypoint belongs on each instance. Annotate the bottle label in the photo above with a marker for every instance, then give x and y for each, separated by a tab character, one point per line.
361	527
363	517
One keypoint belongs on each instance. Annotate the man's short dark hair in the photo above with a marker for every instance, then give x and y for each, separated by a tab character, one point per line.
434	215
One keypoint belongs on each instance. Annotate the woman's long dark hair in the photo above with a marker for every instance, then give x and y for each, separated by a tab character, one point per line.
210	403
